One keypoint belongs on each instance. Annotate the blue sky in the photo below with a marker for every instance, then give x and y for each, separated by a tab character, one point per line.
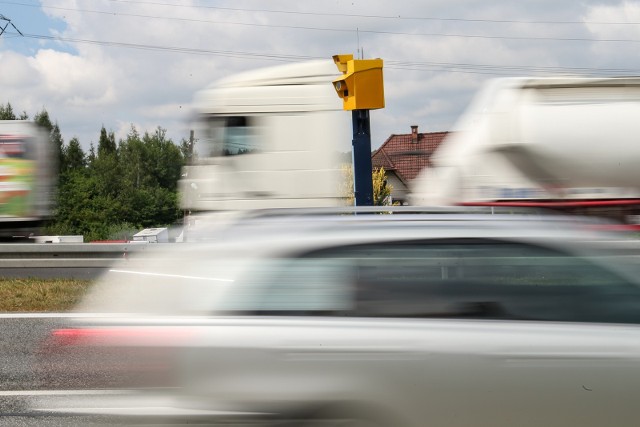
29	17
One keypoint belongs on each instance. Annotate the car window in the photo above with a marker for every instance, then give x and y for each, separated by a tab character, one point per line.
299	286
442	279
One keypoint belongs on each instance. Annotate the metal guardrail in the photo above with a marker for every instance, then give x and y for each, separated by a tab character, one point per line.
63	260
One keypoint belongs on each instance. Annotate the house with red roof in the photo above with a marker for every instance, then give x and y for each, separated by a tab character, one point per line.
404	156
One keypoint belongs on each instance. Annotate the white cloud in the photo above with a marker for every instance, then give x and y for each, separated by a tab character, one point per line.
74	80
15	72
624	12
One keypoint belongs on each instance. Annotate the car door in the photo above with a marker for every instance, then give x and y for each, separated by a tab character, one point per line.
510	333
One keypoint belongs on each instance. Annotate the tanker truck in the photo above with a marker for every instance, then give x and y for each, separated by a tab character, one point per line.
571	144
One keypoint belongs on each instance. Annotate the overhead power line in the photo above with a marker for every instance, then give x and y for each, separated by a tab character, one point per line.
345	30
508	70
8	22
187	50
492	69
390	17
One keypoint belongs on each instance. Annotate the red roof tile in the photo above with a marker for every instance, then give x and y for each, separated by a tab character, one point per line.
405	157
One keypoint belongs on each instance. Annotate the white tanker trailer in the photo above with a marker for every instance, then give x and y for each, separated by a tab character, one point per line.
566	143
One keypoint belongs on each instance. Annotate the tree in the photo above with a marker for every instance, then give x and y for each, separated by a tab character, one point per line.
381	188
55	136
107	143
151	169
73	156
91	157
115	187
132	154
6	112
186	148
163	160
57	142
42	119
82	209
106	167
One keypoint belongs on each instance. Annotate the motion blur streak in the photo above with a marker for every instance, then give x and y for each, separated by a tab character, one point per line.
119	336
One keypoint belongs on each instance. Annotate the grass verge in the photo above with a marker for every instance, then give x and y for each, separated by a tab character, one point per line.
40	294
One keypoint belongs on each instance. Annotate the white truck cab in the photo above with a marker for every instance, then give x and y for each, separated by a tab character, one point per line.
268	138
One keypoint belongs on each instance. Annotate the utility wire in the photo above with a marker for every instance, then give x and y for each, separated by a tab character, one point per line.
8	22
506	69
355	15
389	64
239	54
343	30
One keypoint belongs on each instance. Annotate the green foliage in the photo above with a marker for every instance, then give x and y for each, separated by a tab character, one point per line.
107	143
57	142
55	137
6	112
381	188
115	189
42	119
73	157
91	156
118	191
152	160
186	148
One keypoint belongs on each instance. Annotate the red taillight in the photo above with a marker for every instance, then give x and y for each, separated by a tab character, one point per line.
120	336
113	356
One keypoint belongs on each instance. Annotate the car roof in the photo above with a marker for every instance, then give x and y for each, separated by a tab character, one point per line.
402	223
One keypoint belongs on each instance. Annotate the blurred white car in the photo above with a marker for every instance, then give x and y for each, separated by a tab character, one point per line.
403	319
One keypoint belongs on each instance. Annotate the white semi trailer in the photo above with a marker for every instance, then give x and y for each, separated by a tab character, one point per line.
566	143
28	178
269	138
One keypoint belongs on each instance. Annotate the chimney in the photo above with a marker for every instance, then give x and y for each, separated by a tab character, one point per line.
414	134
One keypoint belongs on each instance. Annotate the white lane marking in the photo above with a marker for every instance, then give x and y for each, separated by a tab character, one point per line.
52	315
179	276
10	393
151	411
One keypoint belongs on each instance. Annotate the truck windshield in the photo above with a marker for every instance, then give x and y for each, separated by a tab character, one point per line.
225	136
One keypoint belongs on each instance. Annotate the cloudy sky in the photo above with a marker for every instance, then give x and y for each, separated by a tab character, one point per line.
122	62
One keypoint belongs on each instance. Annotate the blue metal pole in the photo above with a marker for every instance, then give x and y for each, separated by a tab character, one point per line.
363	183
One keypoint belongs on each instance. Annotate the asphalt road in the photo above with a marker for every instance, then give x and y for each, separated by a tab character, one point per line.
55	273
21	388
